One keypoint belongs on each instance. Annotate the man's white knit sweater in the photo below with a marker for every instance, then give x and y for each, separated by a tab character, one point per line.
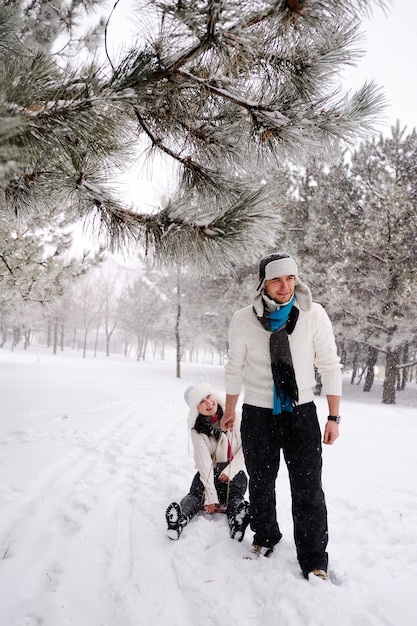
312	344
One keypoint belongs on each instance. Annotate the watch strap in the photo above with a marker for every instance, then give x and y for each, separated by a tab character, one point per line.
334	418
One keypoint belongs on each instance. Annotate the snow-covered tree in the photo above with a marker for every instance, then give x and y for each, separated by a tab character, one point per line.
35	260
357	241
84	303
208	304
144	314
380	269
225	90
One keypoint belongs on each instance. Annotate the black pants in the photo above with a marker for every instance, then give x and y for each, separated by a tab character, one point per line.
228	493
298	435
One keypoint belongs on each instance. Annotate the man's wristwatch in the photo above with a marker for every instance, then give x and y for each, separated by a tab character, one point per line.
334	418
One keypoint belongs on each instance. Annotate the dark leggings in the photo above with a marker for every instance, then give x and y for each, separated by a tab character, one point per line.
231	493
298	435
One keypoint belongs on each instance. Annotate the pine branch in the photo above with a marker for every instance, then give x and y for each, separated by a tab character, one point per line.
195	237
323	53
196	171
217	88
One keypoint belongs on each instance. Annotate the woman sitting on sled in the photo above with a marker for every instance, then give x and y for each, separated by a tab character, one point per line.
221	482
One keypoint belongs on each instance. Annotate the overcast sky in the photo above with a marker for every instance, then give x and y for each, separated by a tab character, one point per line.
390	59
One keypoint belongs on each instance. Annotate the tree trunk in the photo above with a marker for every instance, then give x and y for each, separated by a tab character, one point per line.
318	387
96	341
404	371
355	365
26	338
55	337
388	393
4	335
370	368
343	355
62	337
85	342
145	345
16	336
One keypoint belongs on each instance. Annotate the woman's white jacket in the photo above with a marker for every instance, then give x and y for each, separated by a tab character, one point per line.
208	452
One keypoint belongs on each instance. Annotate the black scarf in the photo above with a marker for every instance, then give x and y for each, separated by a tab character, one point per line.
281	360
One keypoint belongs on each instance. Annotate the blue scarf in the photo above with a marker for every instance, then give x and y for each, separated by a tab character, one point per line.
278	319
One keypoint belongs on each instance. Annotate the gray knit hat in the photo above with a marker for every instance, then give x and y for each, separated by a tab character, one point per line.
274	265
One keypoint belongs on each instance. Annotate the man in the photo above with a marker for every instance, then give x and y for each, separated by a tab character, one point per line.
274	345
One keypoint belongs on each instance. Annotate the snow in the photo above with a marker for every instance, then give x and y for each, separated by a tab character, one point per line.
93	450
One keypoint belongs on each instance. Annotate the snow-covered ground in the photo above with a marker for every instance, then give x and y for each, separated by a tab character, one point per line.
92	451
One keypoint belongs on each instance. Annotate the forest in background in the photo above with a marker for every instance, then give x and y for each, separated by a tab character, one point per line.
268	155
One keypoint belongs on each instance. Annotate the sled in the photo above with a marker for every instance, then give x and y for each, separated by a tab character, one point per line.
220	508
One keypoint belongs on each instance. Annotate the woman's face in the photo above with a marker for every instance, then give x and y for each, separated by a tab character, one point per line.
208	405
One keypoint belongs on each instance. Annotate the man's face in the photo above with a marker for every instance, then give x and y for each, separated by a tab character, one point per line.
208	405
280	289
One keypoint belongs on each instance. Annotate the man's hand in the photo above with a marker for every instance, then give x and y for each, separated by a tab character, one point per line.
227	421
210	508
331	432
229	416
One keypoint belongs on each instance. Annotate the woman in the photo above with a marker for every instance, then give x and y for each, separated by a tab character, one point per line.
220	482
